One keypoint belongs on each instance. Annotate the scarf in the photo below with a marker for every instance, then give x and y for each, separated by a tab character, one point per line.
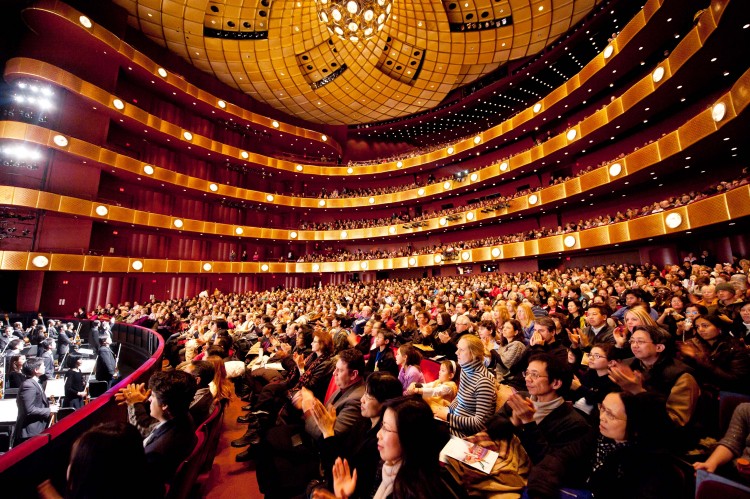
604	448
388	474
543	409
304	380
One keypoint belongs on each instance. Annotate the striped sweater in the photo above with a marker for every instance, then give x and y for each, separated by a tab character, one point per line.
475	402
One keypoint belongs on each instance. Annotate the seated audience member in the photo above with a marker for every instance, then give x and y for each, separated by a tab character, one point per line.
442	391
221	388
525	316
597	329
655	369
409	442
728	302
408	359
631	457
544	339
673	314
286	454
556	437
95	454
512	355
359	446
203	402
486	331
382	358
170	439
34	410
720	361
75	388
741	325
734	445
477	397
635	298
595	384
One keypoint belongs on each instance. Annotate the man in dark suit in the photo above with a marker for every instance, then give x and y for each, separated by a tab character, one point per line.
94	334
63	343
105	363
34	410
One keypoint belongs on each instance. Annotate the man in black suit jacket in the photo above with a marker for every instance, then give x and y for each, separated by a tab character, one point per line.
94	334
105	363
170	440
34	409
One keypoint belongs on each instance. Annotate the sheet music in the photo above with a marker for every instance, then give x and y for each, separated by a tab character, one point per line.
88	365
8	411
55	388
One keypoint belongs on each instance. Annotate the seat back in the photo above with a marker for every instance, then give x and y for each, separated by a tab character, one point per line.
187	473
332	387
430	369
211	429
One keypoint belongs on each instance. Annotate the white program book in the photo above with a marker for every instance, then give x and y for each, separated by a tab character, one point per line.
479	458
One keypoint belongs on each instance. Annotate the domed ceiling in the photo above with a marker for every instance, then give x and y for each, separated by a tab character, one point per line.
279	51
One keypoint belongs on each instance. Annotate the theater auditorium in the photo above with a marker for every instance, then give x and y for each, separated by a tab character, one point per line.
374	248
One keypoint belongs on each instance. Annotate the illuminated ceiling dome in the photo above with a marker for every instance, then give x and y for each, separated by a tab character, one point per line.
279	51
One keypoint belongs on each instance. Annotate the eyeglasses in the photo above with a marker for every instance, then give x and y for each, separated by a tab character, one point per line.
608	414
532	375
639	342
387	430
597	356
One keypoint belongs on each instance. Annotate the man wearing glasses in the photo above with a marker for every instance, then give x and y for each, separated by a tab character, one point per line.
655	369
556	437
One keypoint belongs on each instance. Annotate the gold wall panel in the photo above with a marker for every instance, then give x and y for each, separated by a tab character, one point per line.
740	93
531	247
669	144
174	266
6	194
696	128
548	245
707	211
92	263
632	96
25	197
596	120
513	250
152	265
594	178
64	262
118	264
738	202
49	201
647	226
619	233
598	236
572	186
643	157
13	260
684	50
190	267
553	193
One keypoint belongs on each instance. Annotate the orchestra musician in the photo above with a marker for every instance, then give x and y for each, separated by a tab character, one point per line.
34	410
105	363
75	388
63	342
14	378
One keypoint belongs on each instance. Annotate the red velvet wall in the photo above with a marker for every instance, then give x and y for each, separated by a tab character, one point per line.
59	233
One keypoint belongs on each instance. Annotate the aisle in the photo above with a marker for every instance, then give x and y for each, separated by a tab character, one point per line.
230	479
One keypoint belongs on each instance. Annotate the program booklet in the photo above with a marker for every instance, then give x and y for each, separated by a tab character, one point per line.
476	456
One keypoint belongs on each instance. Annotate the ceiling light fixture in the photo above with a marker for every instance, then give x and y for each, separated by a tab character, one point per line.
354	20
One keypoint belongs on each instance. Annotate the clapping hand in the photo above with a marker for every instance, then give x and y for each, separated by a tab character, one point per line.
132	394
523	410
536	339
629	380
324	418
344	481
621	336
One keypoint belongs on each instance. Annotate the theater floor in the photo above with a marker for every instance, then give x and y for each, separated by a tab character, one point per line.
230	479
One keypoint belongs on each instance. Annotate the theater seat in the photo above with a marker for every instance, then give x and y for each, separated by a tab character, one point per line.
187	473
711	486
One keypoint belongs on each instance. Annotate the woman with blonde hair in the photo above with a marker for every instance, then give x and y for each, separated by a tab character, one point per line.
525	316
500	315
511	307
634	317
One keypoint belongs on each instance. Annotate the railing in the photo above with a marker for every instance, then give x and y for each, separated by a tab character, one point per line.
46	456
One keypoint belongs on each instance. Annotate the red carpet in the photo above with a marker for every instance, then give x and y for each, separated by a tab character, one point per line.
229	479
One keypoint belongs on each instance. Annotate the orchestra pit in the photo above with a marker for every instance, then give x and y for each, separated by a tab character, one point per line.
374	248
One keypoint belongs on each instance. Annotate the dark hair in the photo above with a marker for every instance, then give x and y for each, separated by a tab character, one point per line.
217	350
421	440
204	370
353	359
383	386
557	370
656	334
94	454
700	308
31	365
637	292
12	344
603	309
446	318
548	323
46	344
14	359
722	325
488	325
577	303
73	359
413	357
387	336
518	328
175	389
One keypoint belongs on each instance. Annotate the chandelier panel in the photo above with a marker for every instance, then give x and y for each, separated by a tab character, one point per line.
354	19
